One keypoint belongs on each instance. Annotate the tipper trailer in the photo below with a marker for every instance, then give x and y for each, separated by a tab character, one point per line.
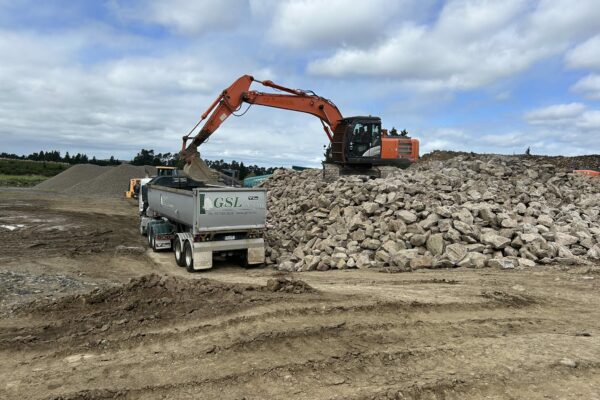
197	222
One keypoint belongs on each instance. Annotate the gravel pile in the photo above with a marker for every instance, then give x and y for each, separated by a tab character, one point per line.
88	179
114	181
470	211
72	176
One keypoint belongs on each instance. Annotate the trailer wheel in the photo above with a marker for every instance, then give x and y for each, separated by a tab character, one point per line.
179	254
188	256
150	237
154	249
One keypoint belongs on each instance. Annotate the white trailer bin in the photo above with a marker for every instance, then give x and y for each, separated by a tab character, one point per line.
208	220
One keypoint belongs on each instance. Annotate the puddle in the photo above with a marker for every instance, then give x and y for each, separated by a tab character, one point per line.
12	227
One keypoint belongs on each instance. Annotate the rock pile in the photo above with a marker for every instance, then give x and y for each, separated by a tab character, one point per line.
485	211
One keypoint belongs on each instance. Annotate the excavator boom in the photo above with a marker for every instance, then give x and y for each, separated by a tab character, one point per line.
232	98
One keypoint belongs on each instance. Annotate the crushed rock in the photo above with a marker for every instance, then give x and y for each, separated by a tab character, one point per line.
469	211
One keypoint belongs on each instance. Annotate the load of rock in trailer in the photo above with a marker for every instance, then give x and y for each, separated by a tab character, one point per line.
470	211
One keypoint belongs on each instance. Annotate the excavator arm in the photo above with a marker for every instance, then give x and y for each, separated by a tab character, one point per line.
232	98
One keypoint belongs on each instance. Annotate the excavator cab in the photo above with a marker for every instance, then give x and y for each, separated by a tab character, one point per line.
360	141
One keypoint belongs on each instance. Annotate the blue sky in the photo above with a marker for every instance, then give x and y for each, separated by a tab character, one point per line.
112	77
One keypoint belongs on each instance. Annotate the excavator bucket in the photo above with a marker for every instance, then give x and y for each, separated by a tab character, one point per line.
199	171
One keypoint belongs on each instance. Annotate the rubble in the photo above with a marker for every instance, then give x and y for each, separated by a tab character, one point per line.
485	211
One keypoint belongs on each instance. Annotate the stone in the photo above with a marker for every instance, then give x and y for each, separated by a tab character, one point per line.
407	217
463	227
477	260
501	263
531	237
371	244
567	362
358	235
509	223
565	239
363	261
286	266
418	240
403	257
381	199
545	220
525	263
421	261
390	246
463	215
594	252
455	252
370	207
431	220
495	240
435	244
487	214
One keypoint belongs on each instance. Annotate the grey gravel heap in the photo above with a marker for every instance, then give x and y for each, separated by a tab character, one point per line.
487	211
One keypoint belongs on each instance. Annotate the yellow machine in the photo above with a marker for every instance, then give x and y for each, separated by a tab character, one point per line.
134	188
134	184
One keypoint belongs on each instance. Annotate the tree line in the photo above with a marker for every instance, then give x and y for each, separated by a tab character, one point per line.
145	157
54	156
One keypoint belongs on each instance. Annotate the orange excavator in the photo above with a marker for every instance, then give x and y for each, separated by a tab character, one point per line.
358	145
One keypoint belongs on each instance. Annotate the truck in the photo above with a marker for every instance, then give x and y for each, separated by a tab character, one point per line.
196	221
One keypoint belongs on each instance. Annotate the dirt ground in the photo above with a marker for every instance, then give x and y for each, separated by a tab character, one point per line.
86	312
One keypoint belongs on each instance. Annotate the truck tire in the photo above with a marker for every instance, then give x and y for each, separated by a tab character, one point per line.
179	254
150	237
153	245
188	257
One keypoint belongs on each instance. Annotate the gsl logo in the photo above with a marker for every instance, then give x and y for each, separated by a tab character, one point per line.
227	202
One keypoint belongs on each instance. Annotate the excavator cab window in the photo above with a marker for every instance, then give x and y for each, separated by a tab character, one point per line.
365	139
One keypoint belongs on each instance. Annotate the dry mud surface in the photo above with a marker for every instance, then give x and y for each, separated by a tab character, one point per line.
86	314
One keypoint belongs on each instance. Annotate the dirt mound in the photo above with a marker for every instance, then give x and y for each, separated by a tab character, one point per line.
281	284
442	155
72	176
151	291
113	182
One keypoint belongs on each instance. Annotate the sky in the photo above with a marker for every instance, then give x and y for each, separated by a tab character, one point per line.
112	77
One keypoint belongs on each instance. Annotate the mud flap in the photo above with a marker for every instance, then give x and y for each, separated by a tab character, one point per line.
256	255
202	259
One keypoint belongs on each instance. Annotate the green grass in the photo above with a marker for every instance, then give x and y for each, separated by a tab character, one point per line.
21	180
28	167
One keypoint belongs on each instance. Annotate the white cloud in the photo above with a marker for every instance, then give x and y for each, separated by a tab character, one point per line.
319	23
116	107
588	86
186	17
566	129
590	121
471	44
555	114
585	55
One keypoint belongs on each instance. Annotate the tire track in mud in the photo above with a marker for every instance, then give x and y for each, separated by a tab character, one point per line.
200	339
285	331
